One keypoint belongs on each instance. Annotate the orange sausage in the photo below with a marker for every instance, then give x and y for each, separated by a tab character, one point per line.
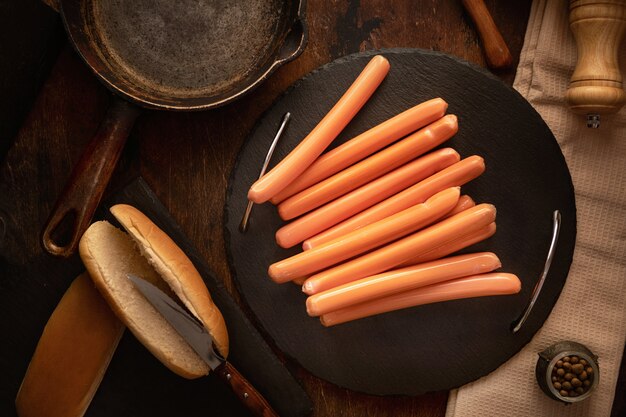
323	134
364	145
369	169
453	176
365	196
454	245
443	250
400	280
497	283
402	250
362	240
299	281
465	202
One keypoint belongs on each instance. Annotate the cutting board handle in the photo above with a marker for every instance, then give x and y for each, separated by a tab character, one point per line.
77	204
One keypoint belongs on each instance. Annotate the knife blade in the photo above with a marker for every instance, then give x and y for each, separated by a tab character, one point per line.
196	335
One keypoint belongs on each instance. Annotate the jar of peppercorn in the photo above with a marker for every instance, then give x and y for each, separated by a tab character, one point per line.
567	371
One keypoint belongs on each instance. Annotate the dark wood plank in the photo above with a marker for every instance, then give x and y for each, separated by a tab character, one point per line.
31	36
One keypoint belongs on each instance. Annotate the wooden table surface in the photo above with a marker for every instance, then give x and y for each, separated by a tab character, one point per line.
187	157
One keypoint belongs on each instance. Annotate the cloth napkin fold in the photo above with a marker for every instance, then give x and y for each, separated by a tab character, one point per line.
592	307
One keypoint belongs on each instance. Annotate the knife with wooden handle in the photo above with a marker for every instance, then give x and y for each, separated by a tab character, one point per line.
201	342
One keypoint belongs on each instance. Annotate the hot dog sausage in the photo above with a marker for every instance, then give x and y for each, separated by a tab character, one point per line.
402	250
400	280
496	283
364	145
362	240
453	176
323	134
370	168
365	196
454	245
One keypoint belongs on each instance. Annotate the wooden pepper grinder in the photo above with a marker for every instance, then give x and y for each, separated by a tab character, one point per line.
596	86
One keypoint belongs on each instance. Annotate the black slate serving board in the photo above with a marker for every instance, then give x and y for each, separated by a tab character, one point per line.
136	384
433	347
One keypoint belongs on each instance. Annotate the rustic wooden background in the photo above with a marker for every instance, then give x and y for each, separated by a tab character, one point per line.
186	157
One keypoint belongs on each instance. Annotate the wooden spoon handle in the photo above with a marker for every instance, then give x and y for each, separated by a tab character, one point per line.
497	53
244	390
80	198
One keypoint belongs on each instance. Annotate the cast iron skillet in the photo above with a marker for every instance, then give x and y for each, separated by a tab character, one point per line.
170	55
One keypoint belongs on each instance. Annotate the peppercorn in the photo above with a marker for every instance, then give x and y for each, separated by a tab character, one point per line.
571	376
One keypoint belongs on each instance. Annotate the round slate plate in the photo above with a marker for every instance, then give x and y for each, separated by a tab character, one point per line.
438	346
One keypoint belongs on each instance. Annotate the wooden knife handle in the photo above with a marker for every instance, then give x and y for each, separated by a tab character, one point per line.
497	53
244	390
78	202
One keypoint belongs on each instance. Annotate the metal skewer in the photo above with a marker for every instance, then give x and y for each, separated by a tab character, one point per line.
556	226
243	226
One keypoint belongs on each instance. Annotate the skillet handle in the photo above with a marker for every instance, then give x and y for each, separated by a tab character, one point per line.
294	42
80	198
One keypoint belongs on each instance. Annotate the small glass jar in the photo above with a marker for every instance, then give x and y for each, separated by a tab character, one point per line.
548	360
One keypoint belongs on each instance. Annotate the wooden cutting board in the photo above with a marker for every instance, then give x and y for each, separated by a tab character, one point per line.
433	347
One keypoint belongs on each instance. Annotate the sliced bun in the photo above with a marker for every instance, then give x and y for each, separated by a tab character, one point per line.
109	254
176	269
72	355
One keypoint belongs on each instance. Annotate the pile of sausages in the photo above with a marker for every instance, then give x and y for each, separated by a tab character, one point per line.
378	216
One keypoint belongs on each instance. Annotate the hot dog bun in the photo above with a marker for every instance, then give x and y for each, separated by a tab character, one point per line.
109	255
176	270
72	355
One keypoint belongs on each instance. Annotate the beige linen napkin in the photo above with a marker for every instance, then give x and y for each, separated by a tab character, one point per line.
592	306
